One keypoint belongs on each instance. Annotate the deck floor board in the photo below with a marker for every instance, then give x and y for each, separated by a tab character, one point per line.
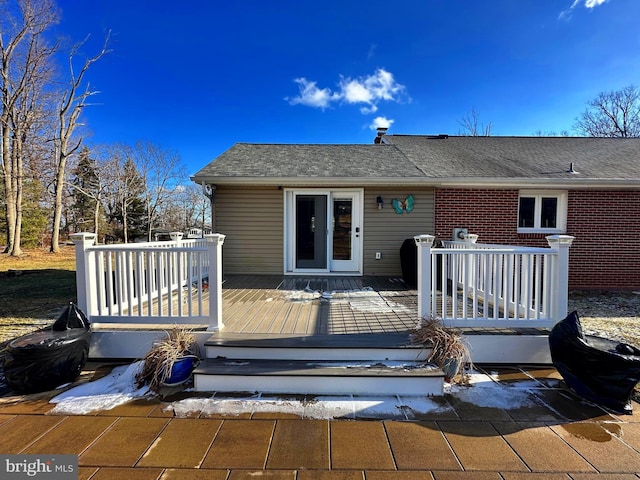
256	304
308	305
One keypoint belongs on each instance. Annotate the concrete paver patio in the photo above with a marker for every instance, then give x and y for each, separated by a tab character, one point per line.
558	437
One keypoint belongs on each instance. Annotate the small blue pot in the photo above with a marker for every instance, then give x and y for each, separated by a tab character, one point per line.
450	367
181	370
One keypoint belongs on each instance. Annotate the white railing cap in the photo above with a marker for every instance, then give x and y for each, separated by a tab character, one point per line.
83	237
560	240
215	238
424	240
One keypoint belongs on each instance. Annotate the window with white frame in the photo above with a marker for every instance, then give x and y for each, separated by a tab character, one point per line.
542	211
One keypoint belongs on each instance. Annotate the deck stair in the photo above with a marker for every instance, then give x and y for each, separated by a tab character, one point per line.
356	364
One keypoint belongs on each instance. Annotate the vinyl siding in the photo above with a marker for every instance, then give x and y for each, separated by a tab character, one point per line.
252	220
385	230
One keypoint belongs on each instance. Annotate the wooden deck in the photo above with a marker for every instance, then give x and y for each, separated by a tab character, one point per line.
273	310
305	305
253	304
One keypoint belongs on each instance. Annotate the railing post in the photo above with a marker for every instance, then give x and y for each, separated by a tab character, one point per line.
176	237
560	303
470	238
85	274
424	244
214	246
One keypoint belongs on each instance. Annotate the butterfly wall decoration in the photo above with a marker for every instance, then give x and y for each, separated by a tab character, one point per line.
405	206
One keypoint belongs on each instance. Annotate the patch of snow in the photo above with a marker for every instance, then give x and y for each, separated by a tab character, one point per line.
119	387
328	407
378	407
234	406
115	389
306	295
397	364
484	391
413	406
498	397
365	299
317	408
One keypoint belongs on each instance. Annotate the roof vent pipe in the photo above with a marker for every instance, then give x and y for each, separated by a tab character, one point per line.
571	169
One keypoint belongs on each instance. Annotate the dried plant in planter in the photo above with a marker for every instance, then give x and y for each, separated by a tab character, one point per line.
449	350
159	361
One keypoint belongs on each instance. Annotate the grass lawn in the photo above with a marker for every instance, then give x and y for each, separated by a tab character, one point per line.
34	289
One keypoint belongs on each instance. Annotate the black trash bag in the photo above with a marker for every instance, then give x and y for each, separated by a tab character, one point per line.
71	317
409	262
49	358
602	371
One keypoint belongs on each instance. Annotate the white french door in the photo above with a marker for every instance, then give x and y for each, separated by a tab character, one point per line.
323	231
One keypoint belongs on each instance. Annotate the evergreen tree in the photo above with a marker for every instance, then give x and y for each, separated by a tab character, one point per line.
86	195
127	212
34	214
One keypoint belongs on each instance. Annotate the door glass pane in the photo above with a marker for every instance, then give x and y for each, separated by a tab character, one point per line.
311	231
342	229
305	228
549	212
526	213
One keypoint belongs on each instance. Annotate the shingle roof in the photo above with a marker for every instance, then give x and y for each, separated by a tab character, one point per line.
433	160
318	161
522	157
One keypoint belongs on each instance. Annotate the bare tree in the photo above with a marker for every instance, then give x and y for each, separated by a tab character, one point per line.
162	172
92	181
25	62
550	133
199	212
612	114
72	102
193	204
470	123
126	187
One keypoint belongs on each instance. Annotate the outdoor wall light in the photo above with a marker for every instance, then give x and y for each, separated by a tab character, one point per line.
380	202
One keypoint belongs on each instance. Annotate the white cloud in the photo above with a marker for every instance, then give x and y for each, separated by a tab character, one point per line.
590	4
379	86
381	122
355	92
383	85
310	95
368	110
369	90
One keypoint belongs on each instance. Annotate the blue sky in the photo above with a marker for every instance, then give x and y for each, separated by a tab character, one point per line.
198	76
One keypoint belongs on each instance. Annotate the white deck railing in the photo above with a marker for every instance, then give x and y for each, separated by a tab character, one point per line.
465	283
175	282
483	285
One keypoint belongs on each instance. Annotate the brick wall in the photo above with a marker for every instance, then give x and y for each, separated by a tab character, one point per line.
606	224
